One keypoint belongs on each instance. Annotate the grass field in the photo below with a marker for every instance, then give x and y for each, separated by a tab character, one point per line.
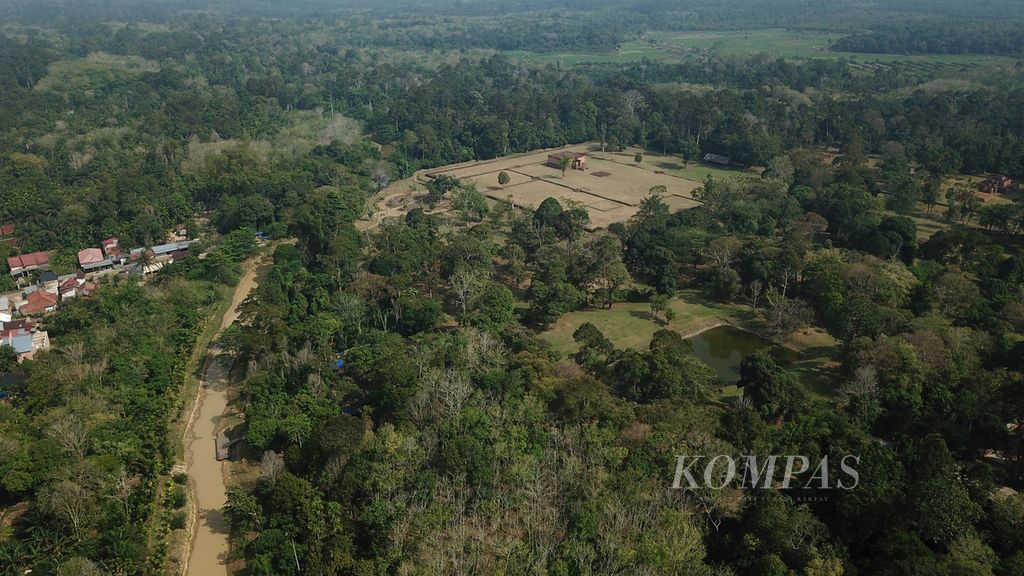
786	43
629	52
628	324
927	227
611	189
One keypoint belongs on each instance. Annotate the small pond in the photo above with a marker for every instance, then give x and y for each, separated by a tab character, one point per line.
724	348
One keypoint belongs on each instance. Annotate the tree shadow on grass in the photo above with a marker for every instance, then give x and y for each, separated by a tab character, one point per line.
818	375
669	165
641	314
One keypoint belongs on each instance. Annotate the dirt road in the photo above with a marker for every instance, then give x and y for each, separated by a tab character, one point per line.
209	549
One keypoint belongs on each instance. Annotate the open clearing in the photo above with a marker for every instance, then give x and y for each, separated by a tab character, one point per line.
93	72
611	189
629	325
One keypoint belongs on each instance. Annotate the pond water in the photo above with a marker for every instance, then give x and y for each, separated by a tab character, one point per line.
724	348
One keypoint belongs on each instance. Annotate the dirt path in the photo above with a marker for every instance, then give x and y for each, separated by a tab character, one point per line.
209	549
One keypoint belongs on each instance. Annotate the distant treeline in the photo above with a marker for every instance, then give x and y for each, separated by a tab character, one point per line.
536	26
1004	39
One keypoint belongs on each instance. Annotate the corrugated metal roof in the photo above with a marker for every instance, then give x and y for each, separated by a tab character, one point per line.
100	264
716	158
21	343
172	247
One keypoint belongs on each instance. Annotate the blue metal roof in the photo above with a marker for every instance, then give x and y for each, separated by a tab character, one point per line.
22	344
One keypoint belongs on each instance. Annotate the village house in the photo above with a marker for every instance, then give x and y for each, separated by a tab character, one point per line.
38	302
7	233
26	345
75	285
176	250
69	288
577	160
160	256
48	281
112	250
22	344
5	309
25	263
22	336
92	260
26	324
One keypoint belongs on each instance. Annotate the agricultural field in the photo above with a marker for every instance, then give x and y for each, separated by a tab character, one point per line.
611	188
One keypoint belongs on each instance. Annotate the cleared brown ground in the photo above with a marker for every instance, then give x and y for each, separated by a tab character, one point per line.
610	189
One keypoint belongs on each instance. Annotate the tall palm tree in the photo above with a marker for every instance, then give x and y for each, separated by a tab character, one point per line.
564	164
144	260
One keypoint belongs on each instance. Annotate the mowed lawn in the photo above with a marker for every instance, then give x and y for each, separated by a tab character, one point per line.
629	324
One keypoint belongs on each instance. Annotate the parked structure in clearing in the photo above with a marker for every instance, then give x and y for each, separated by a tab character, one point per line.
577	160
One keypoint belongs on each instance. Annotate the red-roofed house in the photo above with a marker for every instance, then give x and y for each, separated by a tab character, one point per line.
26	324
69	288
90	256
38	302
112	249
28	262
7	230
76	286
93	259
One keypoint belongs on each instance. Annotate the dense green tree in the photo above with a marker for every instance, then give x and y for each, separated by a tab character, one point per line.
773	391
